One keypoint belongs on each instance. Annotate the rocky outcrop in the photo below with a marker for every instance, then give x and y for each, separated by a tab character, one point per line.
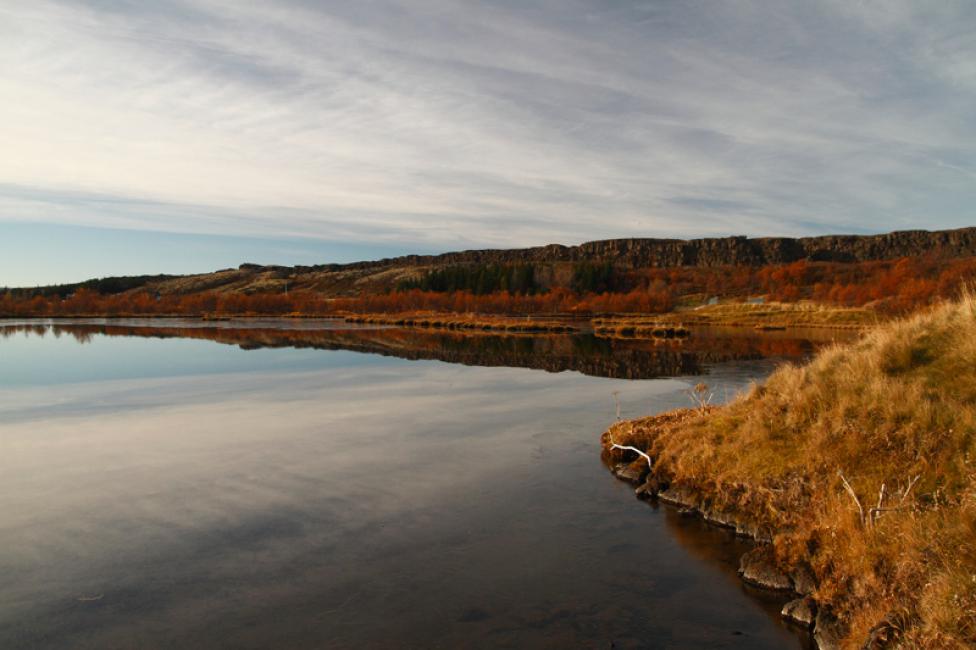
679	495
804	583
751	529
708	252
758	568
885	633
827	631
633	472
802	612
721	518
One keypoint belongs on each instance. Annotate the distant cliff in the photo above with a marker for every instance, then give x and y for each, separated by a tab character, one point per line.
710	252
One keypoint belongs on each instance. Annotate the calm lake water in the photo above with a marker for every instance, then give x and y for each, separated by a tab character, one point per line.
308	485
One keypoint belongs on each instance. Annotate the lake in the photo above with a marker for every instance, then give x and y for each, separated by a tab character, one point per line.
310	484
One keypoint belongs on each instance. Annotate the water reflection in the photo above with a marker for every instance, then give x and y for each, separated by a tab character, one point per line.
393	504
585	353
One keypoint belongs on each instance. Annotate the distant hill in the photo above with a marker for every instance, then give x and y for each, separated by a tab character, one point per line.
552	265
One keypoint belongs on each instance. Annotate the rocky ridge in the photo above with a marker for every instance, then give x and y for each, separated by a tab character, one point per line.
553	263
739	250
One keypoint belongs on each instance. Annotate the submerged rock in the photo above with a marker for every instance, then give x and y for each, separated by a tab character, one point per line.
758	568
747	528
802	611
804	582
719	518
648	488
884	633
679	495
827	631
633	472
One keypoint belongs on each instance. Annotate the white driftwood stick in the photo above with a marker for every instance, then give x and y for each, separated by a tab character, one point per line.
614	445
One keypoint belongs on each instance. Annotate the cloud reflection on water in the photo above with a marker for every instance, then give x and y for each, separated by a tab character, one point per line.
292	507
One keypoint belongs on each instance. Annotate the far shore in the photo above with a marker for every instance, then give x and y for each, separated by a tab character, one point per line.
675	324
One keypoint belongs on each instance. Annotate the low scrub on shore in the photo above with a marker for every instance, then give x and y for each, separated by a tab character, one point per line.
586	287
640	330
464	322
861	465
767	315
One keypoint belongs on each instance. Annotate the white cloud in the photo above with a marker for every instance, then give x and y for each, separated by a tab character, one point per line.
491	124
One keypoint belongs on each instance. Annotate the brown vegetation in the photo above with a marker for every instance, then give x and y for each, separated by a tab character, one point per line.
555	352
804	292
890	286
306	303
861	465
466	322
638	329
769	316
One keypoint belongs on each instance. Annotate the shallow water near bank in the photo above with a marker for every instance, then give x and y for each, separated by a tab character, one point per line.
346	488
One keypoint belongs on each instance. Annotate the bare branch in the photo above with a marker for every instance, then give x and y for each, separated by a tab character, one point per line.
871	516
850	491
874	513
911	484
700	396
878	509
614	445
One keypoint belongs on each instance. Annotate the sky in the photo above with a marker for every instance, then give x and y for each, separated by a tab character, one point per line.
150	137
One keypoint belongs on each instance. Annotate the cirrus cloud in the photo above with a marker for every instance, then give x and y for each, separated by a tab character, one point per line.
453	124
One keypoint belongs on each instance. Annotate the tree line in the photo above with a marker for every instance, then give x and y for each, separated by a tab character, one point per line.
478	279
893	287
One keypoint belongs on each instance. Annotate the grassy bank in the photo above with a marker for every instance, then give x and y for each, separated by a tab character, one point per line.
626	330
898	404
772	315
486	322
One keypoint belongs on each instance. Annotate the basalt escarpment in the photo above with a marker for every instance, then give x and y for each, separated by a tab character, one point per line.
719	251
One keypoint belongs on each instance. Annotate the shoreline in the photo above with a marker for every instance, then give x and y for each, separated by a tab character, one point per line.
637	326
758	567
854	472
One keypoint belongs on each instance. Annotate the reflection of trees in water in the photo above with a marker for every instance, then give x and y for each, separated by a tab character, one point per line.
585	353
36	329
81	337
80	333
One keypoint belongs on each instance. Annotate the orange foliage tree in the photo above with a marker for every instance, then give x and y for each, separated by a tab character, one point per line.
894	286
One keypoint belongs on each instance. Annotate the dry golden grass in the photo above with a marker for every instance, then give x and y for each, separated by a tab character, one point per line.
774	314
629	330
464	321
899	403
